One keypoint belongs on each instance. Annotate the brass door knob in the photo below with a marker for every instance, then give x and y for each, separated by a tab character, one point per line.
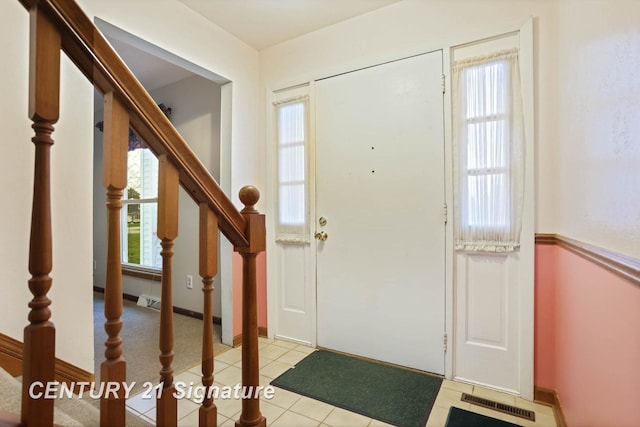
321	235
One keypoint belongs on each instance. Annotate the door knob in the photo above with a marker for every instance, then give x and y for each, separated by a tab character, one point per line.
321	235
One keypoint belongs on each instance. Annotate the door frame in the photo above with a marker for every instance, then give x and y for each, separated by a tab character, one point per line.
272	209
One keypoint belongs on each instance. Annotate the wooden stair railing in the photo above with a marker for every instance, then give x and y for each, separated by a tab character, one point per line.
61	25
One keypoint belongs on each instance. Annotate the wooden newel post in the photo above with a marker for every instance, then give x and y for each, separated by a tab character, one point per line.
39	335
256	235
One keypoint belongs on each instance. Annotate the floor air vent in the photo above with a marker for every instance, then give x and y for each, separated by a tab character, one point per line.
149	302
501	407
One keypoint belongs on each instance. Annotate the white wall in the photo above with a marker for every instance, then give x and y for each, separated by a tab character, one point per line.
195	104
599	120
196	115
168	24
71	199
415	26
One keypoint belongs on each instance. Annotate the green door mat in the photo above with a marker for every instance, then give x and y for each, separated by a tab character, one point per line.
393	395
460	418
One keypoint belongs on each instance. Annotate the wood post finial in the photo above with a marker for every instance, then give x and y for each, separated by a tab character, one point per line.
249	196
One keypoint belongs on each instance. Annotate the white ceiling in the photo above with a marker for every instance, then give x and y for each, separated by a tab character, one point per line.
259	23
264	23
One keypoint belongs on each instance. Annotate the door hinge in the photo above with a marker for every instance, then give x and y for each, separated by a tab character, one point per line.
445	342
443	83
445	214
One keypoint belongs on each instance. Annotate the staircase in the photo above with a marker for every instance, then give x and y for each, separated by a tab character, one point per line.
10	389
61	25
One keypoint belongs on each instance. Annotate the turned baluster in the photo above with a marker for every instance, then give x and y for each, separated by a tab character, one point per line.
168	186
114	179
208	270
44	100
255	232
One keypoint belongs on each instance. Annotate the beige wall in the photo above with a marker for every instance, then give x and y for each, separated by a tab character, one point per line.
71	198
598	74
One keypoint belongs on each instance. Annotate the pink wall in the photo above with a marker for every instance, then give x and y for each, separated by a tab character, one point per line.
261	266
544	312
587	339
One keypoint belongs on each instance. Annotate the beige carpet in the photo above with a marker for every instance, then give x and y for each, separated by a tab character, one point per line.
11	389
140	336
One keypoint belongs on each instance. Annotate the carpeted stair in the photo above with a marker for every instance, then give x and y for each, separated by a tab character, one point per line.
67	412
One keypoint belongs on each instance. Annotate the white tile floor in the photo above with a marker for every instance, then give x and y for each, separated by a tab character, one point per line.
288	409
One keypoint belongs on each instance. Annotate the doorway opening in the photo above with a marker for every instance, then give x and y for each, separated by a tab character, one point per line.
198	103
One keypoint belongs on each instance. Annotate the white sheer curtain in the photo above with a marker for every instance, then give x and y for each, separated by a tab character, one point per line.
293	198
488	153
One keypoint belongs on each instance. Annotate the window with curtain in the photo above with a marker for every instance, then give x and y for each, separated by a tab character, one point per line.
293	198
140	244
139	216
488	150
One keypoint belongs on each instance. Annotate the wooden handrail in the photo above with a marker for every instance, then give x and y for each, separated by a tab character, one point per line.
94	56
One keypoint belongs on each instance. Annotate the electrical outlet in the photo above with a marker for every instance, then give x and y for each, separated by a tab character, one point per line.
189	281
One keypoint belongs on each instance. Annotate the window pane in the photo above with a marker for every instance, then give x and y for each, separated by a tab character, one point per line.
292	205
134	183
292	168
133	234
140	244
482	84
487	145
291	164
142	174
291	126
149	243
148	174
489	204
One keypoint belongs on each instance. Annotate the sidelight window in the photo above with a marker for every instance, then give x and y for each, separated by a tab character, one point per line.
292	130
488	141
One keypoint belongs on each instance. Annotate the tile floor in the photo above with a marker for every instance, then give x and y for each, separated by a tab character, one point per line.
288	409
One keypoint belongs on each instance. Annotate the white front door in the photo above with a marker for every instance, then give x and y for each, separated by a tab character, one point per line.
380	188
